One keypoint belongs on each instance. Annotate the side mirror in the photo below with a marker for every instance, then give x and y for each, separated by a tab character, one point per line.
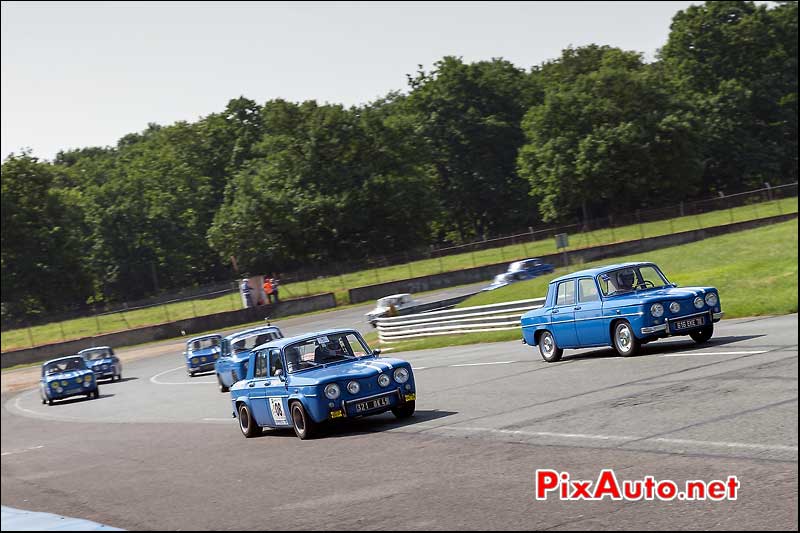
281	376
376	351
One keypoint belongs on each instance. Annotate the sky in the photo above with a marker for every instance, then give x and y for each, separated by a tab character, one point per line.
79	74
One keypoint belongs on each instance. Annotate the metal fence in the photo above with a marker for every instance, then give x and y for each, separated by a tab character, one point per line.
482	318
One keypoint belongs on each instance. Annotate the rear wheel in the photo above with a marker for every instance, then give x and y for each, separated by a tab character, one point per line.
702	335
49	401
548	348
304	427
95	394
222	387
405	410
246	423
625	342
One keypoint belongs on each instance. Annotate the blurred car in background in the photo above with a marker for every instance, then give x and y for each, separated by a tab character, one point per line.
201	353
102	361
389	305
231	366
520	271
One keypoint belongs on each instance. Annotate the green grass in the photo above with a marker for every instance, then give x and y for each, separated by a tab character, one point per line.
339	285
755	272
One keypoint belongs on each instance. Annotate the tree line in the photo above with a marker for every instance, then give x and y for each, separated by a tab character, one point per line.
467	150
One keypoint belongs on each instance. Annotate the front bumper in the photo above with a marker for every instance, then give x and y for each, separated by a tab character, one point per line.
650	330
396	397
202	367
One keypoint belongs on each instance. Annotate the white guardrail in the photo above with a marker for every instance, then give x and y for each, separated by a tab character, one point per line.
493	317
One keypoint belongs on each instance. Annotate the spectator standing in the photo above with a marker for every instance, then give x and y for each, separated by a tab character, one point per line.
275	283
245	290
268	289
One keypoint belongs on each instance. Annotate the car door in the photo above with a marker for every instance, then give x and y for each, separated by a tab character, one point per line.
589	324
277	390
562	315
257	389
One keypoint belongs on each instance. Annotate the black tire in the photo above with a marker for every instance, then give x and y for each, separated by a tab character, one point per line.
548	348
304	427
404	411
703	335
624	340
222	388
44	401
246	422
49	402
96	393
234	377
191	373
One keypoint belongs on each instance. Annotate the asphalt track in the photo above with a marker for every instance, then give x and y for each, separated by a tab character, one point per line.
160	451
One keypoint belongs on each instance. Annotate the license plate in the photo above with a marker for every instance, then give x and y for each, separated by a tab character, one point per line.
689	323
372	404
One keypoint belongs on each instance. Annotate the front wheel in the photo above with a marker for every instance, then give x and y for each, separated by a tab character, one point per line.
246	422
702	335
405	410
222	387
625	342
304	427
548	348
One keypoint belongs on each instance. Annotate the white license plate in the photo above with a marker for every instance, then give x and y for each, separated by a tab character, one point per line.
689	323
372	404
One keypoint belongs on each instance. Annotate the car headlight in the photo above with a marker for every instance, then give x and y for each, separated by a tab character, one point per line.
86	384
59	390
54	385
657	310
194	360
216	356
332	391
78	380
401	375
202	359
711	299
675	307
383	380
353	387
87	378
64	383
699	303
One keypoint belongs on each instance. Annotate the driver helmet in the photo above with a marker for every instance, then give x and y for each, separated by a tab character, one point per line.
625	278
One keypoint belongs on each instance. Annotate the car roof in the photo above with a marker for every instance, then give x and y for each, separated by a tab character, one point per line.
57	359
394	295
252	330
598	270
201	337
281	343
94	348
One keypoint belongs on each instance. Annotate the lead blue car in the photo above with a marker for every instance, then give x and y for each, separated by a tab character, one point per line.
201	353
66	377
306	380
103	362
623	306
232	363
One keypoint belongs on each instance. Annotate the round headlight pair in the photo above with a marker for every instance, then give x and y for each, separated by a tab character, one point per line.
675	307
712	299
699	302
401	375
657	310
332	391
384	380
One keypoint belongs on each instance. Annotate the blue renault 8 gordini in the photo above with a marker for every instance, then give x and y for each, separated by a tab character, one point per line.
232	363
201	353
306	380
66	377
623	306
103	362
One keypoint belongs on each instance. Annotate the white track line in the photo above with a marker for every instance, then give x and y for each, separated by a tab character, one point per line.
482	364
22	451
684	354
703	443
155	379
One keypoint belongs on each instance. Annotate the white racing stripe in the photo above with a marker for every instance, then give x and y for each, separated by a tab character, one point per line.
685	354
155	379
582	436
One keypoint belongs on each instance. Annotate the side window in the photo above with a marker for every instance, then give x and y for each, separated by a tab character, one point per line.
275	363
566	293
587	290
261	365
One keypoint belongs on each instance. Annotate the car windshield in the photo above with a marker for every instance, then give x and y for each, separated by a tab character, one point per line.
630	279
386	302
248	341
100	353
203	344
324	349
65	365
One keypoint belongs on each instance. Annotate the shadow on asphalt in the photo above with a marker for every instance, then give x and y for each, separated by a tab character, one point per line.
659	347
78	399
107	381
369	424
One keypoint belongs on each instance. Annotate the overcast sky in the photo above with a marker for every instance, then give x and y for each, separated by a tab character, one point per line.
84	74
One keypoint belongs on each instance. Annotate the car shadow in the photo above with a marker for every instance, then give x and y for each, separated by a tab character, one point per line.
662	346
79	399
351	427
106	381
205	373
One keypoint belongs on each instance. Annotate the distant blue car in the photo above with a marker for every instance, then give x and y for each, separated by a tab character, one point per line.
201	353
520	271
623	306
103	362
66	377
306	380
232	363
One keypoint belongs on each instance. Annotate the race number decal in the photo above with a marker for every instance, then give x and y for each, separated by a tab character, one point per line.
278	415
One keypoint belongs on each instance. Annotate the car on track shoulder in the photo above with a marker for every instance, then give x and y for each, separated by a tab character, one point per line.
66	377
623	306
389	306
201	353
520	271
310	379
235	353
103	362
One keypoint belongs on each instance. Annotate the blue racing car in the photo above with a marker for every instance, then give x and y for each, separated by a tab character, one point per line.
202	353
103	362
66	377
232	363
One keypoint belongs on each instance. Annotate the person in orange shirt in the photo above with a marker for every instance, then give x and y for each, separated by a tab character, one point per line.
268	289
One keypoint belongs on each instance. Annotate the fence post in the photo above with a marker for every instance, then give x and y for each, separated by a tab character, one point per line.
30	336
408	262
61	326
194	309
166	312
611	225
97	321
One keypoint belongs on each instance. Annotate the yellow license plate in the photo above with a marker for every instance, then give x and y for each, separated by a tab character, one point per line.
411	397
336	414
